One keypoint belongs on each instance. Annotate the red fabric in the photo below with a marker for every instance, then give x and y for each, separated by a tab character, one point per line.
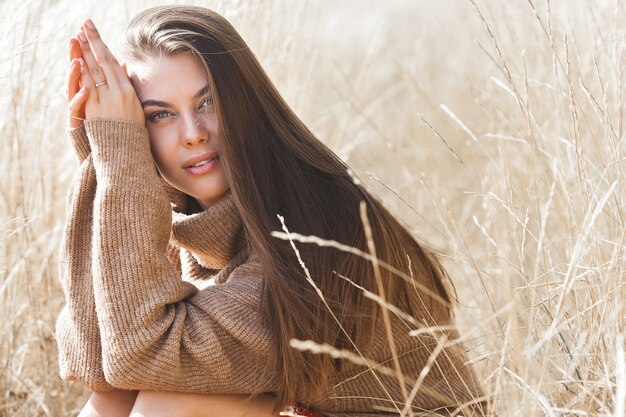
298	411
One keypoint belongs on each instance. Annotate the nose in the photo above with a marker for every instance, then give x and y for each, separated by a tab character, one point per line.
194	130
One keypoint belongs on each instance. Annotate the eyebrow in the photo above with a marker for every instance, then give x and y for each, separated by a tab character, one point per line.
159	103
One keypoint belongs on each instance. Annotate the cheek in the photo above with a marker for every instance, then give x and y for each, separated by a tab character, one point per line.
162	152
210	122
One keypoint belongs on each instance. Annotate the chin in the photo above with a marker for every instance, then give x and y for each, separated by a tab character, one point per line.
207	201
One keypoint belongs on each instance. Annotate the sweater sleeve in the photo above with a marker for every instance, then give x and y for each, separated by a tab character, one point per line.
158	331
77	334
80	141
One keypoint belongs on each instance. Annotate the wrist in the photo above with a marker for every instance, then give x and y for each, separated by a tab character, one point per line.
121	144
79	140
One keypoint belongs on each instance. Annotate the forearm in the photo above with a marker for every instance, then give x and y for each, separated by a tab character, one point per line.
116	403
77	333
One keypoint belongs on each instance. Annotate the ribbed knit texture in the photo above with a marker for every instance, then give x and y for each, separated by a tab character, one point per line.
159	299
77	325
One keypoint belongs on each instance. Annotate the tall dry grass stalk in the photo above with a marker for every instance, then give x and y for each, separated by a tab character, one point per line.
495	131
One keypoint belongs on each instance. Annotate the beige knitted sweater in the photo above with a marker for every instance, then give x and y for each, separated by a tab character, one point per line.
159	299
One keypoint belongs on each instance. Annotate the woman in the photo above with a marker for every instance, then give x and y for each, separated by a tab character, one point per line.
180	297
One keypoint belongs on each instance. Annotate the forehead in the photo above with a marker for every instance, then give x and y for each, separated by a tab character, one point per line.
167	76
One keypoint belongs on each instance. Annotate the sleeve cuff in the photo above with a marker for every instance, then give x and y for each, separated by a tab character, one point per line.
80	141
119	147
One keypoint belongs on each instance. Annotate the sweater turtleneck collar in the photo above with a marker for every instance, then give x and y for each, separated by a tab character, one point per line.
214	236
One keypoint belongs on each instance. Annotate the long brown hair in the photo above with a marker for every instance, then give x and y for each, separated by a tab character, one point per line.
275	165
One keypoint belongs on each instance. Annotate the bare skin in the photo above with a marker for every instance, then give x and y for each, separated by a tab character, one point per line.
109	404
162	404
121	403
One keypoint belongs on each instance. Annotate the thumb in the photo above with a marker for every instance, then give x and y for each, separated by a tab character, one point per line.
76	107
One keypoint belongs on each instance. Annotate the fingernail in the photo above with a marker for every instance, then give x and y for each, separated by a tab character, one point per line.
81	37
74	63
90	24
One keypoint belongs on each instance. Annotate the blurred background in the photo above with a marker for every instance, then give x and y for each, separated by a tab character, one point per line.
494	130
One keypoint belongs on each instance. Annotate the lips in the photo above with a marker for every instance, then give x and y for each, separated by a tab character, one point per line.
200	158
201	164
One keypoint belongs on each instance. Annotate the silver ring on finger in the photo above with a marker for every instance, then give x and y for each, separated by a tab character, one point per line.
101	84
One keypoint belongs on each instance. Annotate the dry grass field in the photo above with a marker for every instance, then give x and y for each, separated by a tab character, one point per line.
494	129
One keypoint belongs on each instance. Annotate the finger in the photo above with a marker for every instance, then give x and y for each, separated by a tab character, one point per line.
87	81
126	74
101	51
125	82
76	112
73	80
75	51
103	55
96	71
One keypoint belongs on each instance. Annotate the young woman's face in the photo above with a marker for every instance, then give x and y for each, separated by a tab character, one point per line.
181	120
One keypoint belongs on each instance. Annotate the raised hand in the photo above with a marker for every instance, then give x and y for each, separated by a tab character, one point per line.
105	84
75	96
